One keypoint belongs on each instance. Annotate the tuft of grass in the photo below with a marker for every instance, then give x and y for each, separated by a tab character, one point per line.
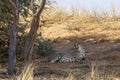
97	74
27	73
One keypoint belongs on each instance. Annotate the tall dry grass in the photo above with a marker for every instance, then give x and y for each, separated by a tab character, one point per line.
96	24
27	73
57	14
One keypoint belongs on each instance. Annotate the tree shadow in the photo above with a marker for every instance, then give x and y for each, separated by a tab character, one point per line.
96	47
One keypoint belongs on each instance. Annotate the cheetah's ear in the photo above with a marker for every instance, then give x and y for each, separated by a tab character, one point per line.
76	45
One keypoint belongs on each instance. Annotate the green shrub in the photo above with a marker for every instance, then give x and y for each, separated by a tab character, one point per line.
44	47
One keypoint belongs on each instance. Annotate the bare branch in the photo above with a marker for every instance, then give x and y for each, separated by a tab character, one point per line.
39	10
32	4
13	4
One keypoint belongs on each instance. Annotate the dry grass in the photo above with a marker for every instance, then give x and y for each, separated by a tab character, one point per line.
94	74
97	74
57	14
27	73
87	23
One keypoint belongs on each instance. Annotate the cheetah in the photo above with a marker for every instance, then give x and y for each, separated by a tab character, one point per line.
77	56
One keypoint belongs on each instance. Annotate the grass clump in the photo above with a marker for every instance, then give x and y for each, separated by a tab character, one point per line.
27	73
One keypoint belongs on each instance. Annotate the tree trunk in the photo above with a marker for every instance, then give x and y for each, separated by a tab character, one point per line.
30	39
29	45
12	44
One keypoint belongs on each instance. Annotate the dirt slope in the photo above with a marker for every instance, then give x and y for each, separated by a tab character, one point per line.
97	47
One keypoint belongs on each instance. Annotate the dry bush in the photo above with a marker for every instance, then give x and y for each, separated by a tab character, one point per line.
55	15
